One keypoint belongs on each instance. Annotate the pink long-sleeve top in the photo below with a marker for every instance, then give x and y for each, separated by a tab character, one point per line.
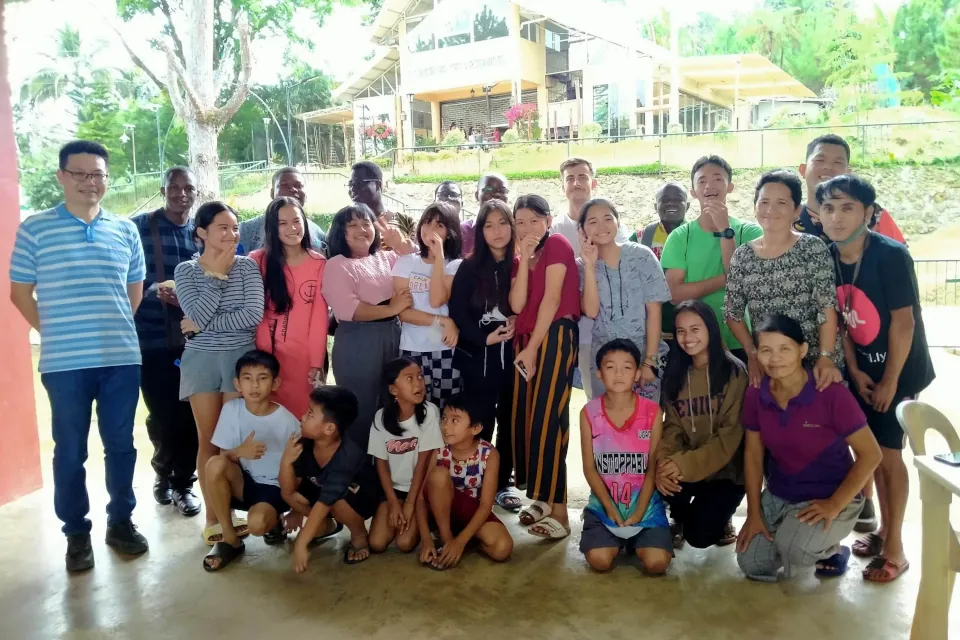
349	281
303	328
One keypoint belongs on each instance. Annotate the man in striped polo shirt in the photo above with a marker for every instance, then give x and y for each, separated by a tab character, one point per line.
86	267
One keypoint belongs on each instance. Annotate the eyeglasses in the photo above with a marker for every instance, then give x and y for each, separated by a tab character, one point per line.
83	176
356	184
495	190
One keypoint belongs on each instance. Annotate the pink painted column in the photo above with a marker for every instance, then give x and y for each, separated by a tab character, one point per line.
19	443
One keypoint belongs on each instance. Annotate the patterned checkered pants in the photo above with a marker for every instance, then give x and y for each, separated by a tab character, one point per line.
439	374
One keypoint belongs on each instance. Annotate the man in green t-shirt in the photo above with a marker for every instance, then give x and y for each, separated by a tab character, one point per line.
697	254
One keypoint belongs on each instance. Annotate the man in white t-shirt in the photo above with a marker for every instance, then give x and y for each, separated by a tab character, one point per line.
252	433
579	183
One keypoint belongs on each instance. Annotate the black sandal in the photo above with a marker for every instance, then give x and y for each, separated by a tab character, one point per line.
225	552
355	550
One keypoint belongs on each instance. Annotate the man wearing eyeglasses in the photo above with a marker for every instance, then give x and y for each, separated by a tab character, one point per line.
365	186
286	182
491	186
86	267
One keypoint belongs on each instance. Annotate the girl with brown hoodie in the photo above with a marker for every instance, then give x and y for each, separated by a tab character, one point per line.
700	458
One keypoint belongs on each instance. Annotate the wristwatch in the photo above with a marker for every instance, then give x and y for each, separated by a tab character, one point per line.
826	354
726	234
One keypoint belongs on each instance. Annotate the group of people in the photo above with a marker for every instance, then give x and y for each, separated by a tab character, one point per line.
721	359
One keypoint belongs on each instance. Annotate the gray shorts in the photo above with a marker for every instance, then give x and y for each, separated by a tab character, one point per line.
597	536
209	371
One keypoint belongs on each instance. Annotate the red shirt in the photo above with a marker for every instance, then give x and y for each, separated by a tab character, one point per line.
556	250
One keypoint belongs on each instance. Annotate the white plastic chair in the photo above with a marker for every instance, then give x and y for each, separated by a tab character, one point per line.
916	418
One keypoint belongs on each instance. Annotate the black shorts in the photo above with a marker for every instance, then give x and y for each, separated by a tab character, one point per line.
885	426
363	500
256	493
401	496
596	536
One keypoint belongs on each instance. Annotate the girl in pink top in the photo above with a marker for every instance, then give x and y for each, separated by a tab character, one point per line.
294	325
359	288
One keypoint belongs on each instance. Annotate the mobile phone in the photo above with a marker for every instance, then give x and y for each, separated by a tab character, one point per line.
952	459
523	370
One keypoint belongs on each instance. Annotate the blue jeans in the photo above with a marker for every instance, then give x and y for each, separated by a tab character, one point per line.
116	391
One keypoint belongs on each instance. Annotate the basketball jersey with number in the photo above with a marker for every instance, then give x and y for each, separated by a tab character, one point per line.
621	456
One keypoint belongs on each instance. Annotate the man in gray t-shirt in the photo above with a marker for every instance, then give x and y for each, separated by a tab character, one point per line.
287	182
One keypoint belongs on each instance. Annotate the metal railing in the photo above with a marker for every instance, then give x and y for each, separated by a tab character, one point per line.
939	286
744	148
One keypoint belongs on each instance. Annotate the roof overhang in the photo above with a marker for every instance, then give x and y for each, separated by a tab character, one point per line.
341	114
391	12
382	61
749	76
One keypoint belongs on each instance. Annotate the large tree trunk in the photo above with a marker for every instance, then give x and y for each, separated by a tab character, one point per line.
204	159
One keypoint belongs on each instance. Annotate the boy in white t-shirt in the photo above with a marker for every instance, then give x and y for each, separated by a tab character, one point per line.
251	433
429	335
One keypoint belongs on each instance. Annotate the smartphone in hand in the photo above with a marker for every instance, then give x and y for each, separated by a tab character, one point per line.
523	370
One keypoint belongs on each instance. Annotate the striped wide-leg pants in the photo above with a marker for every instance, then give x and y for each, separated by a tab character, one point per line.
541	414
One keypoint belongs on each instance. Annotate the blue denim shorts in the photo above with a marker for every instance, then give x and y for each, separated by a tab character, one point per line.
209	371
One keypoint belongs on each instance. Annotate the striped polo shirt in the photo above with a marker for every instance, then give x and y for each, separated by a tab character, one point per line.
81	272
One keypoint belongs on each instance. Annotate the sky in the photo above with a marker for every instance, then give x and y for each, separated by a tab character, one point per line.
342	42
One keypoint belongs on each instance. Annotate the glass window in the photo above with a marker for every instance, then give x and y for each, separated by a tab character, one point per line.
529	32
490	22
552	40
601	104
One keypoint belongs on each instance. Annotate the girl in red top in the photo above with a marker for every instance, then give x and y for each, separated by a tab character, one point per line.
294	325
545	294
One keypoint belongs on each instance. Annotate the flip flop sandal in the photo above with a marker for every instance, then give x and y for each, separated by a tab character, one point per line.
553	530
214	533
729	535
834	566
275	536
225	552
882	570
355	550
507	501
868	546
535	513
676	535
430	565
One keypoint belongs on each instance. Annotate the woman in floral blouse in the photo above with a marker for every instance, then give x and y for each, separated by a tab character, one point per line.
785	272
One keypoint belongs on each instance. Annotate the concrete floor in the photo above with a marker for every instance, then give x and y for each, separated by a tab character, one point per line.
545	591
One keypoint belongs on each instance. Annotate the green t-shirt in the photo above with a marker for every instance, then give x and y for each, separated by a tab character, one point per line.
697	252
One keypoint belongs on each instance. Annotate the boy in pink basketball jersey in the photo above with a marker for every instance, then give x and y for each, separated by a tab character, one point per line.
619	432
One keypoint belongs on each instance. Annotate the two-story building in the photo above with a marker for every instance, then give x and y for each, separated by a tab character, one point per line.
463	63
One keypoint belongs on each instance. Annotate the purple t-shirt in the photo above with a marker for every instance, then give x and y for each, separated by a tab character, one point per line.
467	235
808	453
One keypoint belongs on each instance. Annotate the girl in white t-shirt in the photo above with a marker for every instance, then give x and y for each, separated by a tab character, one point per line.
404	441
428	335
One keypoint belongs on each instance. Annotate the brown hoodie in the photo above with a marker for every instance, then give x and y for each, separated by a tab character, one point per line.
702	450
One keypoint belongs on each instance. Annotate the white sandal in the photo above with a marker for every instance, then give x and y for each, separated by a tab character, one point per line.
552	530
538	511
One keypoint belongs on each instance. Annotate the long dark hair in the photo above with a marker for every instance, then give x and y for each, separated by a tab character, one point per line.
494	286
274	279
449	218
722	365
337	236
589	204
391	408
537	204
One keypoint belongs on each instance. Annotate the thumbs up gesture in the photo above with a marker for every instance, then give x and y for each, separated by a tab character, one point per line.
250	448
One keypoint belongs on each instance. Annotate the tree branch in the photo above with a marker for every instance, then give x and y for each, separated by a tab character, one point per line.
230	107
133	56
177	44
226	70
179	75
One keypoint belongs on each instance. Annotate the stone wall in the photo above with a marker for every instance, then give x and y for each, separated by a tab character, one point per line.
921	199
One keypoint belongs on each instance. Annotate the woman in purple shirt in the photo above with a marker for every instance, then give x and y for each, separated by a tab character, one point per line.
813	497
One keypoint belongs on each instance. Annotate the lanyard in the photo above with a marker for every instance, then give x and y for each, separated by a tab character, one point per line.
848	300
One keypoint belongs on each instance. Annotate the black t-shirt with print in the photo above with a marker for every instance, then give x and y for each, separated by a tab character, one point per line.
350	469
886	282
806	224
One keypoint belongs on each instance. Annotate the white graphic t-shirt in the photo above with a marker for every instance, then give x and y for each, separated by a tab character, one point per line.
402	451
417	272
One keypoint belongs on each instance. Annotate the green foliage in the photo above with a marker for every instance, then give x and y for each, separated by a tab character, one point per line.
510	135
590	130
38	177
425	141
638	170
722	130
948	53
99	120
918	25
454	138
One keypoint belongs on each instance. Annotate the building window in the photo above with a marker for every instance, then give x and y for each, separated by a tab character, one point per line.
490	22
552	40
529	32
